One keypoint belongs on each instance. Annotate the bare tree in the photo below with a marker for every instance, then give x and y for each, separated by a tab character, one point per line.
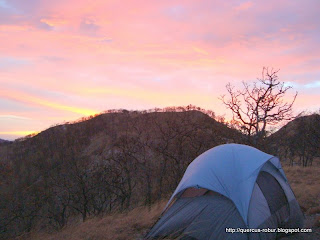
258	105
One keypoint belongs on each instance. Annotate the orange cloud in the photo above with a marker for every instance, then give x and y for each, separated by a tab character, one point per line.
32	100
19	133
199	50
82	111
145	94
54	22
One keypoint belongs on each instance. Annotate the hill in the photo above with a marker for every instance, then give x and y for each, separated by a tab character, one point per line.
108	163
118	161
4	141
298	142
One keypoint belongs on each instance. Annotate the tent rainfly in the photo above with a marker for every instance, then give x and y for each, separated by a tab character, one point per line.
230	192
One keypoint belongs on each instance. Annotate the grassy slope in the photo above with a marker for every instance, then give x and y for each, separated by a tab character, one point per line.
120	226
305	183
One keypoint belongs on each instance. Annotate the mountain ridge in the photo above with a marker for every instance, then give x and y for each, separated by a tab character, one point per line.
111	162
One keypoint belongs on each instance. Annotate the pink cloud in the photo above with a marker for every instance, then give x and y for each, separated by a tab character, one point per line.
244	6
150	53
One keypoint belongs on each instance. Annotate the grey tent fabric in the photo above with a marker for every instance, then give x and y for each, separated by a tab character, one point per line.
269	207
272	191
238	187
259	210
203	217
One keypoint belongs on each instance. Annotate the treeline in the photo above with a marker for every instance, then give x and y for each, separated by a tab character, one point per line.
297	143
189	107
118	160
112	162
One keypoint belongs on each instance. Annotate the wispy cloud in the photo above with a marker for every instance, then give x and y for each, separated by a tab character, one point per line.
244	6
9	63
42	102
13	117
315	84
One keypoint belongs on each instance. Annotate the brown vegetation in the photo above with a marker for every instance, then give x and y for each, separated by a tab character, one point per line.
298	142
121	226
110	164
305	183
134	224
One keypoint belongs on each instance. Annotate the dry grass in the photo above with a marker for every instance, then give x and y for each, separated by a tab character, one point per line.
305	183
120	226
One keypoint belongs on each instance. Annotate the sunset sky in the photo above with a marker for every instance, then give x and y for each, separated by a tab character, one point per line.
64	59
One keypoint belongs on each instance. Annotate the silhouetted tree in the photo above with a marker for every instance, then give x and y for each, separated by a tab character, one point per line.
258	105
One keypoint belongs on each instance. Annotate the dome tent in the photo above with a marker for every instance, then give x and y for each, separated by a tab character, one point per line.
228	187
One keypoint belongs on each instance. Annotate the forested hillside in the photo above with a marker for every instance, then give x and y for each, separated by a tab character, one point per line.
298	142
111	162
117	161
